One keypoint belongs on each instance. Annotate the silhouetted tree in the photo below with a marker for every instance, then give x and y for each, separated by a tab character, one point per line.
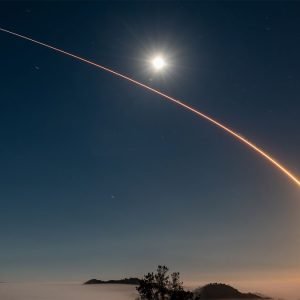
147	287
158	286
162	282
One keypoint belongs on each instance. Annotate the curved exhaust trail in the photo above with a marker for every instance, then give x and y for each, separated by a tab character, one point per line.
264	154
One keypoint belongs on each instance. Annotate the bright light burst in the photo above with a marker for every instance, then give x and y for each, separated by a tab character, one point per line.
158	63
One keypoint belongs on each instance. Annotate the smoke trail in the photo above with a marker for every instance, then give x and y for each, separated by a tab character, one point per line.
178	102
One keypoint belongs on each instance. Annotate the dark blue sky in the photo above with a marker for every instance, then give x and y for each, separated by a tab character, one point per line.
102	178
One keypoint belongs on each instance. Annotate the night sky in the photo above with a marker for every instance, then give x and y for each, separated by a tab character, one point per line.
101	178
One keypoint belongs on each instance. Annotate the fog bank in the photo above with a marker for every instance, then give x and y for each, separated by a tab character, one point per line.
63	291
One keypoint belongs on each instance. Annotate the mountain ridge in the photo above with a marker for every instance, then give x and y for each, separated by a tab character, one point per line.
224	291
131	281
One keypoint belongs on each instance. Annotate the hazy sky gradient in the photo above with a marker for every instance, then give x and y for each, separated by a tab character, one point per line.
100	178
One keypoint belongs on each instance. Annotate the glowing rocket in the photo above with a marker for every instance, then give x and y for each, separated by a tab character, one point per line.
232	132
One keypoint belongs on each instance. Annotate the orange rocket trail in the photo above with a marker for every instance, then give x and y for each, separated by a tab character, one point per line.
251	145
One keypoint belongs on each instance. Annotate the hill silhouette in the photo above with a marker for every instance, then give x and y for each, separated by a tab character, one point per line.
132	280
224	291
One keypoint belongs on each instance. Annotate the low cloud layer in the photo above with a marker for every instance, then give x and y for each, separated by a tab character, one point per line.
22	291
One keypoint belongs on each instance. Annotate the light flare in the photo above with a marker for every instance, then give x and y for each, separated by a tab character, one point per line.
264	154
158	63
